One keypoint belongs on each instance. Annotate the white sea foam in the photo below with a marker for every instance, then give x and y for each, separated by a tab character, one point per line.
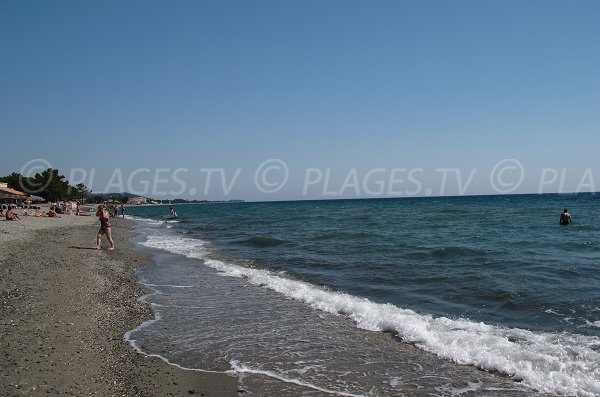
549	362
593	323
240	368
470	388
236	367
192	248
129	337
550	311
147	221
169	285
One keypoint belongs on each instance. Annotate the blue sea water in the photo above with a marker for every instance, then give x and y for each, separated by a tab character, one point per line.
413	296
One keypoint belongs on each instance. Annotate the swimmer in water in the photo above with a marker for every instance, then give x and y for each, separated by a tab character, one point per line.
565	217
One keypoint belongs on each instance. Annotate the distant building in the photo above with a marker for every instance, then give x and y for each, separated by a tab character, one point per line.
136	200
8	195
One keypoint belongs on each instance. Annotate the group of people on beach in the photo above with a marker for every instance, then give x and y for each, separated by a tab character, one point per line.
114	211
103	215
11	215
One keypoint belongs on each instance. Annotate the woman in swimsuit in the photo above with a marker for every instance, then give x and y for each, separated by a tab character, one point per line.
103	216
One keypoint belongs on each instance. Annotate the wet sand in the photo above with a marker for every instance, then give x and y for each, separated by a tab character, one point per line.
64	309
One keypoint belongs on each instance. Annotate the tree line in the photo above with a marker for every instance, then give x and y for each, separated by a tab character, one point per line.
49	184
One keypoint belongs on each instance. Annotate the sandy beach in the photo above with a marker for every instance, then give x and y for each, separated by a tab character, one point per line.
65	308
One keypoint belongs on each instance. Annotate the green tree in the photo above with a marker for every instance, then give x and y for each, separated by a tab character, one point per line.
12	180
51	185
98	199
79	192
19	182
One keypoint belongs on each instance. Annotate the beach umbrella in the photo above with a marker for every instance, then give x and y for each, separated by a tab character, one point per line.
9	196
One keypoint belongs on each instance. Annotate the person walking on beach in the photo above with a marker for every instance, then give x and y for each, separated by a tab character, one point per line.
123	211
565	217
103	216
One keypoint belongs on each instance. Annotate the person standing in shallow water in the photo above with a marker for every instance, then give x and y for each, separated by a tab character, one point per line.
103	216
565	217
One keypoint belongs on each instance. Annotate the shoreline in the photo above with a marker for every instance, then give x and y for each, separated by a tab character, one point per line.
65	309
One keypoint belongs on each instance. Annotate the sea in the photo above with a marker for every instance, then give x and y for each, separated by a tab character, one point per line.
435	296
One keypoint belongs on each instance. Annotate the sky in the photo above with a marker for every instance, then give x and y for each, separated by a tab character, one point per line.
280	100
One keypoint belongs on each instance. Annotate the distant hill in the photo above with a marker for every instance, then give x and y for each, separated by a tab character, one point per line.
124	196
120	197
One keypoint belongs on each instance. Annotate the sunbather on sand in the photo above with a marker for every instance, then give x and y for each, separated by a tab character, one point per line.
52	213
11	215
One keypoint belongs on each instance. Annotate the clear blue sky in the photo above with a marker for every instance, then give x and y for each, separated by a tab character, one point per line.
337	85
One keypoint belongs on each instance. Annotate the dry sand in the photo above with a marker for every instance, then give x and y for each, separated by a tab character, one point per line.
65	308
